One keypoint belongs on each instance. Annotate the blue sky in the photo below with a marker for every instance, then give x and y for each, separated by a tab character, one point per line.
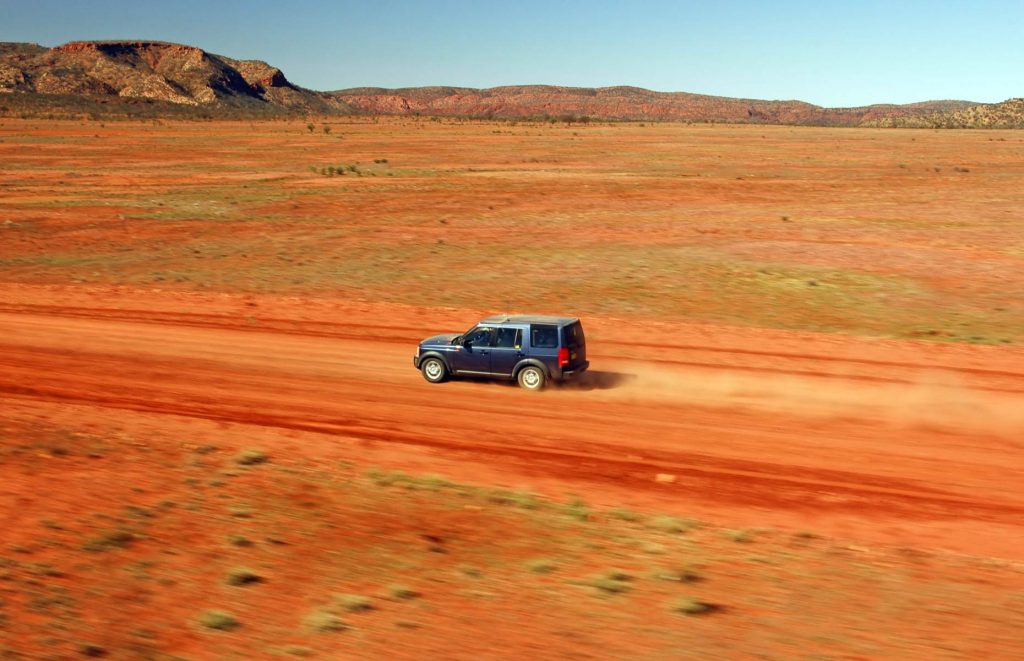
828	53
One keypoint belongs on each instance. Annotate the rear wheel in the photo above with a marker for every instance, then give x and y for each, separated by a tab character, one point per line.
434	370
531	378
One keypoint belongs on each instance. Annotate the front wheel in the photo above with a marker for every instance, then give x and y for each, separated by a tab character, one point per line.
531	378
434	370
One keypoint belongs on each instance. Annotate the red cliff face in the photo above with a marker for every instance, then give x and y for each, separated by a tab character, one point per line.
155	71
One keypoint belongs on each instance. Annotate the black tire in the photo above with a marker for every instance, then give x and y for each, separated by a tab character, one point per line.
531	377
434	369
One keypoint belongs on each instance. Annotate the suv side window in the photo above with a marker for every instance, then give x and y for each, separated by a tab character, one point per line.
479	337
509	338
543	336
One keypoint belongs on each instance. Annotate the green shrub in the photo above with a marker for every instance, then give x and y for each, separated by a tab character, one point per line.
688	606
112	539
242	576
239	540
612	582
739	536
541	566
670	524
354	603
219	620
577	509
251	457
404	592
323	621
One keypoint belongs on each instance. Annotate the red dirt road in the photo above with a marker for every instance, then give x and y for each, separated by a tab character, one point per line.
888	442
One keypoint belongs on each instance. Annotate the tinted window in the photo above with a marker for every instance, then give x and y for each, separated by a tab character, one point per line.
544	337
574	335
479	337
509	338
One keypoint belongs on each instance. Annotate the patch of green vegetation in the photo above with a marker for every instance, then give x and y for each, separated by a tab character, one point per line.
353	603
685	574
239	540
242	576
612	582
219	620
670	524
241	511
541	565
577	509
625	515
688	606
117	538
521	499
739	536
251	457
402	592
322	621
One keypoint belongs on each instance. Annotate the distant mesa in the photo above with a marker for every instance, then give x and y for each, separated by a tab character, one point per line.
85	74
154	78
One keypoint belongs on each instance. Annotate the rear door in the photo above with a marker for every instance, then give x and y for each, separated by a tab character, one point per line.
544	344
574	339
507	350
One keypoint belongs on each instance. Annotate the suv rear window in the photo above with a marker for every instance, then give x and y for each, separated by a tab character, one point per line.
544	337
574	335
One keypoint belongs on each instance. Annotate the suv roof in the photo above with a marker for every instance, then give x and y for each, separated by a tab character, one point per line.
528	319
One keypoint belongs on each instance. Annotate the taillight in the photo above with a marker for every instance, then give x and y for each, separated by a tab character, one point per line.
563	357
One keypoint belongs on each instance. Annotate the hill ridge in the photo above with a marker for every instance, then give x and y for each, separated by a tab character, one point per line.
155	78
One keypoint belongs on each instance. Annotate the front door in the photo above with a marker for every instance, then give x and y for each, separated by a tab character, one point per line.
474	356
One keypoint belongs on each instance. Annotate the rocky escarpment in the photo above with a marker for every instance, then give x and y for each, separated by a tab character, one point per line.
166	78
155	71
1008	114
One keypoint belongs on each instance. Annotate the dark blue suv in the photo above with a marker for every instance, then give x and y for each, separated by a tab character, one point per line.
530	349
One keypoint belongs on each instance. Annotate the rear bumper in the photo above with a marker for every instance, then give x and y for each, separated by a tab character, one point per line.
568	375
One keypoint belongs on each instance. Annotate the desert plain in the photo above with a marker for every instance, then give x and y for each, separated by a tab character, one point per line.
800	437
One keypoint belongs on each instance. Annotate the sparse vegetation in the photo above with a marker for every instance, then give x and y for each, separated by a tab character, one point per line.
354	603
577	509
670	524
251	457
612	582
541	566
688	606
219	620
117	538
239	540
242	576
739	536
403	592
322	621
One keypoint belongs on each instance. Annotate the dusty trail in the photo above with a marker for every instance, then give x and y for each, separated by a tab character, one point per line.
914	440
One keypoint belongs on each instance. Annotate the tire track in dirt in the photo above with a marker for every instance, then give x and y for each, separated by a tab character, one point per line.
379	407
843	366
